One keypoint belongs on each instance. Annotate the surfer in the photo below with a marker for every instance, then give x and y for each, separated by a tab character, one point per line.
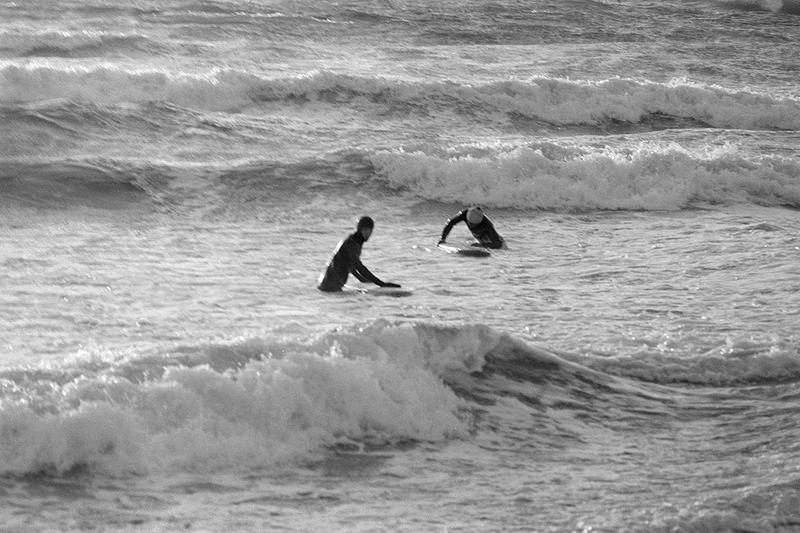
347	259
479	224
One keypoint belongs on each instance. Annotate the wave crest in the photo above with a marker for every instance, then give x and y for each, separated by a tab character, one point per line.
735	363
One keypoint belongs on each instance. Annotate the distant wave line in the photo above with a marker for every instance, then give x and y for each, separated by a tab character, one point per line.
553	101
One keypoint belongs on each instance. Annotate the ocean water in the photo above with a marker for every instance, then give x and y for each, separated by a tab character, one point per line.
175	174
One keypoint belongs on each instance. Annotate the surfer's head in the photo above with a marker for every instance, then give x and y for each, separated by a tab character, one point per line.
475	215
365	226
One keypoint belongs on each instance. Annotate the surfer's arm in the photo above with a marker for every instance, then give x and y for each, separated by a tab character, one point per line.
460	217
357	274
363	274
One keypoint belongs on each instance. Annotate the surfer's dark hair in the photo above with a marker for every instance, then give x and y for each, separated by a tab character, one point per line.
365	222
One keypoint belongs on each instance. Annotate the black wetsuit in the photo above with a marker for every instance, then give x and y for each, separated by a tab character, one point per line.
346	259
483	231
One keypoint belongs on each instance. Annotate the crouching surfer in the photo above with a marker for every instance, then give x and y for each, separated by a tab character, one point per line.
347	260
478	224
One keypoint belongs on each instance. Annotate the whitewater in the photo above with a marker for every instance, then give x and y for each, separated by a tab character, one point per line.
175	175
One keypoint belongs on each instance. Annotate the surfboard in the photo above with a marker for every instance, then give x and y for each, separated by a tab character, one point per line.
470	252
381	291
389	291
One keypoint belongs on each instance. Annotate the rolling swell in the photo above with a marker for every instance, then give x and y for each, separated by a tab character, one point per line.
64	184
775	6
241	189
75	44
539	103
741	364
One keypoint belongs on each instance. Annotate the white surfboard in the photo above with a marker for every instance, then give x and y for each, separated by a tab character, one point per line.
381	291
470	251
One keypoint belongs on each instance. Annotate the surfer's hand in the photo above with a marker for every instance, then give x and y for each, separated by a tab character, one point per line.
441	241
390	285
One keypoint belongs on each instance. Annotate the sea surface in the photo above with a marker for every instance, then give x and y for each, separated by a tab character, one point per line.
175	174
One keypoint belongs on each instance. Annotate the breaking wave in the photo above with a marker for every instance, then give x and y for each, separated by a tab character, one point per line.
269	402
549	176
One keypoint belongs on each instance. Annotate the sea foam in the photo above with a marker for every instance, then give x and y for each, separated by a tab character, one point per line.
549	176
269	411
275	403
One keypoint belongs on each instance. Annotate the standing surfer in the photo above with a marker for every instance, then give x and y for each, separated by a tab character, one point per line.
347	259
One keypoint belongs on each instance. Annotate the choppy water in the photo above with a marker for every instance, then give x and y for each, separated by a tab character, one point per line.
175	175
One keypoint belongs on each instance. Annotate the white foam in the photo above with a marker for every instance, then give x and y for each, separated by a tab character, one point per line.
377	386
111	84
281	403
103	436
650	177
